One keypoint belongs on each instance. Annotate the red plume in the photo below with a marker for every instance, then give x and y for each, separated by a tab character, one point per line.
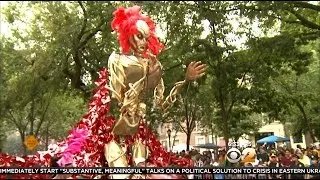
119	17
124	23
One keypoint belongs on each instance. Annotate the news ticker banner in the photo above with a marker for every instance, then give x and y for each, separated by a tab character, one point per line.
147	170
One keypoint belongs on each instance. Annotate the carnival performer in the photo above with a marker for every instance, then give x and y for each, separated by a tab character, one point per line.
99	139
132	73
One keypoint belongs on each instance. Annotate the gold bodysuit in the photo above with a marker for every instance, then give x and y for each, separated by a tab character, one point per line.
130	78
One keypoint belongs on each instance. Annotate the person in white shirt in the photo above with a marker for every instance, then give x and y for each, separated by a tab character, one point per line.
198	163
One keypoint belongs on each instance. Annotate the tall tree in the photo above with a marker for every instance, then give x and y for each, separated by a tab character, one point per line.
300	91
64	112
73	39
241	76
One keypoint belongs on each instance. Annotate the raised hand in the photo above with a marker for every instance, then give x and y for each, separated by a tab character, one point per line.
195	70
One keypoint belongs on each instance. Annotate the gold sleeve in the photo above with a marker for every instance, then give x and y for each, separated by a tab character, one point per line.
159	100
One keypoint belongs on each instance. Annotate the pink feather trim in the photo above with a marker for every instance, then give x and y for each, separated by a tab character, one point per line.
74	144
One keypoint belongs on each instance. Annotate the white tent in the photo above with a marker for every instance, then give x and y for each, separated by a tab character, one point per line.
180	147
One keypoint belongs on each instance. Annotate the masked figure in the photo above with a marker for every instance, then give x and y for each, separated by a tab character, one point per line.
133	73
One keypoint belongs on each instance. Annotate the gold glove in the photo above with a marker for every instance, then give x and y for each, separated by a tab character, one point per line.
115	157
139	152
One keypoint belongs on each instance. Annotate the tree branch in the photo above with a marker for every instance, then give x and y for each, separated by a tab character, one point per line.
182	128
303	4
42	119
186	113
66	70
93	72
13	119
166	41
285	20
85	21
304	21
193	118
90	35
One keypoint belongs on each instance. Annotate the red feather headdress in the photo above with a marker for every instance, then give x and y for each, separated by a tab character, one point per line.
124	23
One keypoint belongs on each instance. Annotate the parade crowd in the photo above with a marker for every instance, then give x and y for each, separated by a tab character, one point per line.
266	156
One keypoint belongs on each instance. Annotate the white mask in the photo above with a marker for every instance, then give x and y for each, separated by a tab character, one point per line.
139	41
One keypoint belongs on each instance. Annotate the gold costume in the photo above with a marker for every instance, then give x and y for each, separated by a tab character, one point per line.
130	78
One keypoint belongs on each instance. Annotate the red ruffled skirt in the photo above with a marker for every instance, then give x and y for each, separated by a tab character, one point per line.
98	126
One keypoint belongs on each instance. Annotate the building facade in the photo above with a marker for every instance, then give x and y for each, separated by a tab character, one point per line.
178	140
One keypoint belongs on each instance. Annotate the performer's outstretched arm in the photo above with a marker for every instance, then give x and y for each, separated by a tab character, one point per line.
195	70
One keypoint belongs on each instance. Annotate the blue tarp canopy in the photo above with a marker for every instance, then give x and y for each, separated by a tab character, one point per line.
272	139
208	146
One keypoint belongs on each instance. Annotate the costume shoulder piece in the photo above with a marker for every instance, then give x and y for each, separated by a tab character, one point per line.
123	60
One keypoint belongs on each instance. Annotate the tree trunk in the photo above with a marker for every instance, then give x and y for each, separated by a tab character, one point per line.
212	138
188	140
47	138
226	140
313	137
307	121
22	136
32	114
226	132
309	138
216	137
224	118
174	139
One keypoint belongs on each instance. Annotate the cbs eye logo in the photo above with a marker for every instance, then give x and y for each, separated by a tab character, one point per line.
233	155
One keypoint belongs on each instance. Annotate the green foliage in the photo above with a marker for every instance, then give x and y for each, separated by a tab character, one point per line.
244	123
64	112
71	39
300	93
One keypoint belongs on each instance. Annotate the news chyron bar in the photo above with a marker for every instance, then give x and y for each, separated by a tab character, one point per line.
134	170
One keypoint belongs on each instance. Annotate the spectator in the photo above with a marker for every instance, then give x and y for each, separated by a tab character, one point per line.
263	155
234	176
262	176
219	163
298	150
198	163
296	164
286	159
273	163
207	164
315	165
304	158
315	153
54	163
182	153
